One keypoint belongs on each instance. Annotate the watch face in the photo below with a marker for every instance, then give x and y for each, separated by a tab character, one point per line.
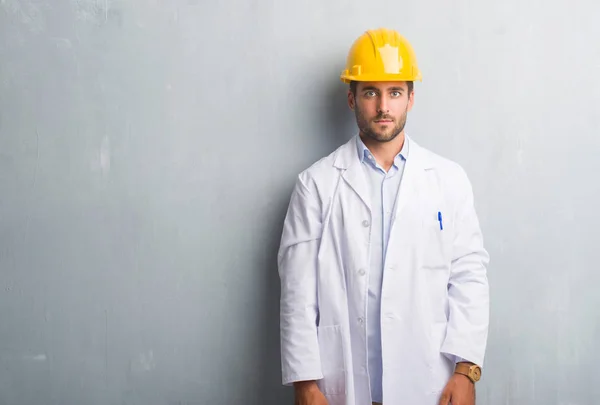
475	373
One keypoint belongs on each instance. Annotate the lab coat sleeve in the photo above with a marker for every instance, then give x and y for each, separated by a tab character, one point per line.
468	290
297	263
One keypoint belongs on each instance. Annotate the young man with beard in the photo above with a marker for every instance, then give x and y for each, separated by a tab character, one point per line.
384	292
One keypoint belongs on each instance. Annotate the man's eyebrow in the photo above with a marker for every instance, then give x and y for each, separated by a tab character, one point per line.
376	89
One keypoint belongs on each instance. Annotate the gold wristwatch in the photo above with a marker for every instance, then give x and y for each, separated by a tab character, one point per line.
472	371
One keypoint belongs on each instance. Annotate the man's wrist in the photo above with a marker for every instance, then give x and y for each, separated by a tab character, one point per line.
305	386
463	377
468	369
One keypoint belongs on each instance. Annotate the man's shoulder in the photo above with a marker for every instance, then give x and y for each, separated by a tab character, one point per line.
439	162
449	171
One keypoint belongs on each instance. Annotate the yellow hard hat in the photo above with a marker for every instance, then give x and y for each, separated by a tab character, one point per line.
381	55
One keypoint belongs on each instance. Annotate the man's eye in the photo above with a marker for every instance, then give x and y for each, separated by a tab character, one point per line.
395	94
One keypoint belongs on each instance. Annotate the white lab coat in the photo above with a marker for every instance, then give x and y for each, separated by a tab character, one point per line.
434	300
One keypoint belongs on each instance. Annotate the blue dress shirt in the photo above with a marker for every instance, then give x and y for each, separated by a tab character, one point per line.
383	187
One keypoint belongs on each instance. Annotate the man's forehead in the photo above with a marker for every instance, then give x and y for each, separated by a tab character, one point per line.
383	85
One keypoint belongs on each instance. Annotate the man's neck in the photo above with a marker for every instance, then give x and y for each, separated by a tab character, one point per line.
385	152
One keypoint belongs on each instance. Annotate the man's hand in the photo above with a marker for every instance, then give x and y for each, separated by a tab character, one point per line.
459	391
308	393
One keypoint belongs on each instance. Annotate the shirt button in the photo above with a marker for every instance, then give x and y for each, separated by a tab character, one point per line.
361	321
365	223
362	272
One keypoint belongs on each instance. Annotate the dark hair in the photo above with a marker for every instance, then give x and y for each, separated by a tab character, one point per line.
354	84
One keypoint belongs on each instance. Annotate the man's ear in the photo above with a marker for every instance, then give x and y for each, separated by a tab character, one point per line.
351	100
411	100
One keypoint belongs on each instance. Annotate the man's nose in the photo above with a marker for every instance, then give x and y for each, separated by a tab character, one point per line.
383	105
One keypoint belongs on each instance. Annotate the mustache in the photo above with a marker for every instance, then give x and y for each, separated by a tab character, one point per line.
383	117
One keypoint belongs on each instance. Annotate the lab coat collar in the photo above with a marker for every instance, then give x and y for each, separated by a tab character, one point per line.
348	160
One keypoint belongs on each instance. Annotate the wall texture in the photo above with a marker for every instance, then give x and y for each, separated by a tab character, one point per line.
147	153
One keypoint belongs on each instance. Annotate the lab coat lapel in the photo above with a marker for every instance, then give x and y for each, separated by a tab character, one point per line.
412	182
353	174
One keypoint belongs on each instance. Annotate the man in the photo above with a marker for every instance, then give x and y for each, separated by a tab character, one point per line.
384	292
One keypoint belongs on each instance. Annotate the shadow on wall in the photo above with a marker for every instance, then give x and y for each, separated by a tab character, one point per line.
337	126
336	118
272	391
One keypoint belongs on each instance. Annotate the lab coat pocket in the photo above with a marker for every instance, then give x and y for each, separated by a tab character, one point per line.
333	364
434	242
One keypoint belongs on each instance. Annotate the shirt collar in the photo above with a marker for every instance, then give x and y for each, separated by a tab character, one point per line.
364	152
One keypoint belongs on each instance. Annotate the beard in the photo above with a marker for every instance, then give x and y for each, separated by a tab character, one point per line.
368	127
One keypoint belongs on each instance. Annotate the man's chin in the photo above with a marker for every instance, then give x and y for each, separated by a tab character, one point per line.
385	137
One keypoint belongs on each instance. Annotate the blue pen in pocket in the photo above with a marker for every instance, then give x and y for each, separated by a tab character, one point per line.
440	221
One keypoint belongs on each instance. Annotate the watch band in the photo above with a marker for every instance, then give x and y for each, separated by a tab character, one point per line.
470	370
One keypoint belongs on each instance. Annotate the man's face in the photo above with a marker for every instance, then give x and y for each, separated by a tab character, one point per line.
381	108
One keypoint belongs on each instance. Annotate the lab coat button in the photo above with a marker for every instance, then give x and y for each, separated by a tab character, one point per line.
365	223
362	272
361	321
